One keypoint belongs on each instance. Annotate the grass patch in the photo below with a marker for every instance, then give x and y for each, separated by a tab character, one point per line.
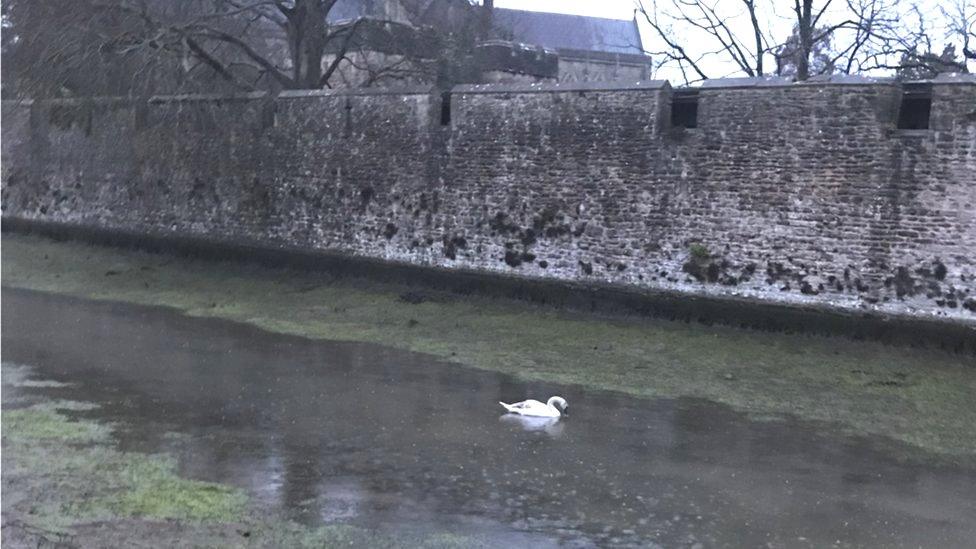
44	422
153	490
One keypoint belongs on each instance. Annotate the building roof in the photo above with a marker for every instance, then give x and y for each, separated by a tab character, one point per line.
344	10
569	32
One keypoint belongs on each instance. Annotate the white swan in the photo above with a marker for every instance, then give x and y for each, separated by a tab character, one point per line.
555	407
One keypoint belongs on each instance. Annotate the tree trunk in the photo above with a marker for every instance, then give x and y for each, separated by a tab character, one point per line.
306	40
757	35
805	27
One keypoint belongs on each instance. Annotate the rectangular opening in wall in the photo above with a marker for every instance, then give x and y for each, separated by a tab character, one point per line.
268	111
141	113
916	107
347	131
446	109
684	109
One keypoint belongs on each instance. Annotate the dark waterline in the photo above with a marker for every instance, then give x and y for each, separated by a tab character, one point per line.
348	432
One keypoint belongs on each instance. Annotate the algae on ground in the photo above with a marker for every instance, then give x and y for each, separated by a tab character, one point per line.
46	423
918	396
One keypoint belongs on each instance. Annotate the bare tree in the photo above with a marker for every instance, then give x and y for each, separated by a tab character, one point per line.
50	49
223	37
846	36
176	45
894	37
676	23
742	36
961	18
819	59
811	32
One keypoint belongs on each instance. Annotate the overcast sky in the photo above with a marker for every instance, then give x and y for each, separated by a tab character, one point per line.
781	23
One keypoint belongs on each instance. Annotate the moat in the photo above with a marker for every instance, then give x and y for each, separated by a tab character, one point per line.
405	444
331	273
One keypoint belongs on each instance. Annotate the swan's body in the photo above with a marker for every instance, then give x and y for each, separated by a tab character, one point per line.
555	407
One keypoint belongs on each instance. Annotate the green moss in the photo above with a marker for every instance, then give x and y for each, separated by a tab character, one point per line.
86	478
44	422
155	491
912	395
699	251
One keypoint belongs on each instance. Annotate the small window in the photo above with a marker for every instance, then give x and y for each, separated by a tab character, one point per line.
446	109
684	109
915	108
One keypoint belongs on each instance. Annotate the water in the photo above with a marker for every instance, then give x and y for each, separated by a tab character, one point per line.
327	432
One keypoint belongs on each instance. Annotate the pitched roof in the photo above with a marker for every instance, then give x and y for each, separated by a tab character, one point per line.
569	32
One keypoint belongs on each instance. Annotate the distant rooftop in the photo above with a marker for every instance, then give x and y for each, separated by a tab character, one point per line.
344	10
569	32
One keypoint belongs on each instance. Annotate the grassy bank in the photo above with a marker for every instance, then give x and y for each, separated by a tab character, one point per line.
916	396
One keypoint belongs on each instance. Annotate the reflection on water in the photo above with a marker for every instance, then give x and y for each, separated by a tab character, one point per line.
551	426
326	432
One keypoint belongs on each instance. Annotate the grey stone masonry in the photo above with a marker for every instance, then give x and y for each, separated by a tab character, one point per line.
801	193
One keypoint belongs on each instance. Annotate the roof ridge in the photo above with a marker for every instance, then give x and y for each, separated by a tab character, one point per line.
631	20
569	31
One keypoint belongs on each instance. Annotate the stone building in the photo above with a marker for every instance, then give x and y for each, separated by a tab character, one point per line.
511	45
588	48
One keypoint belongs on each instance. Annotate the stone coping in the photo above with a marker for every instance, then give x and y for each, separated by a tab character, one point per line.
622	85
547	87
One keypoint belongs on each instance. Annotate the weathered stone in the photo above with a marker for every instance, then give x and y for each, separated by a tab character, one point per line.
799	193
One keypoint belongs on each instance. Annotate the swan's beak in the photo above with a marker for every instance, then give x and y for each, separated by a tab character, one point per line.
565	411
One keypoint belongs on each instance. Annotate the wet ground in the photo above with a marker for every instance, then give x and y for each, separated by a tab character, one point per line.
325	432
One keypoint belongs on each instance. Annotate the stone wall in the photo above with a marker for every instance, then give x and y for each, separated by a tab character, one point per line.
588	66
798	193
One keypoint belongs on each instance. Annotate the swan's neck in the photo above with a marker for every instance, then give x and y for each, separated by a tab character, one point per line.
557	403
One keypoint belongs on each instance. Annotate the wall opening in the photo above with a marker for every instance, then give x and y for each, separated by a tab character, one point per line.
140	112
269	109
915	108
445	108
684	109
347	131
74	114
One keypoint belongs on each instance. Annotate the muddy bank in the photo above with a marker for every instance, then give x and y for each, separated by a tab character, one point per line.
918	396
